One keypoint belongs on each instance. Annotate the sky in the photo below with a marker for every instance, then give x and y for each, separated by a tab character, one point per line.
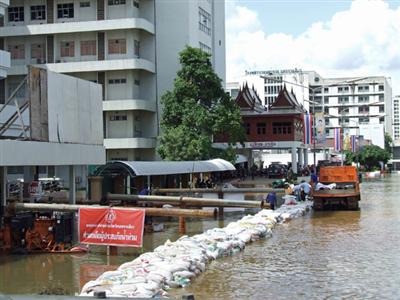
335	38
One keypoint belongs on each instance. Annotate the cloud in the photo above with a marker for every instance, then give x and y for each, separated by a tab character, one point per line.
362	41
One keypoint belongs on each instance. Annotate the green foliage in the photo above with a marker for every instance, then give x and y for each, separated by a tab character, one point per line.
369	157
350	157
388	143
196	110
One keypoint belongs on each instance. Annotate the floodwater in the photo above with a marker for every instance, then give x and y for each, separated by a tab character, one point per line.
325	255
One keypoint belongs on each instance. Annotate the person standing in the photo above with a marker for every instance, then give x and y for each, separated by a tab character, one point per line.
271	199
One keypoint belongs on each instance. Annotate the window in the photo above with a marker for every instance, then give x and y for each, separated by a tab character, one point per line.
364	120
67	49
381	98
381	109
381	120
340	89
37	52
281	128
136	4
205	48
118	118
117	81
363	88
381	88
204	21
136	82
247	128
38	12
117	46
326	100
65	10
136	48
343	110
16	14
15	170
116	2
88	48
363	109
17	51
343	100
326	110
363	99
84	4
326	90
12	86
261	128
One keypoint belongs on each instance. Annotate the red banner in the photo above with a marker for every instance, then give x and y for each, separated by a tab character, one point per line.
111	226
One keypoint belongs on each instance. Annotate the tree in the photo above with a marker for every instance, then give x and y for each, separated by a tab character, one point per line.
195	110
388	143
371	155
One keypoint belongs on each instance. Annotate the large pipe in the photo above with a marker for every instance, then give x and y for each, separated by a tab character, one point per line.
150	211
220	190
189	201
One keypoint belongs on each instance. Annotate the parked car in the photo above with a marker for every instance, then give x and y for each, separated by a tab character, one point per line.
277	170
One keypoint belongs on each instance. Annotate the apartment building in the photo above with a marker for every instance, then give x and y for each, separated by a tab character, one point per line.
396	120
269	83
352	101
129	46
4	55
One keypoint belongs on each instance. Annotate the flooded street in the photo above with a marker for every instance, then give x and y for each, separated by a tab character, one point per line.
325	255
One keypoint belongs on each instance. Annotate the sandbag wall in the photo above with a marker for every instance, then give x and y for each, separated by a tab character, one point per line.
175	264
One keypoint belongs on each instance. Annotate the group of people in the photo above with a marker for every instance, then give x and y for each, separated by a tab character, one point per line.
301	191
201	183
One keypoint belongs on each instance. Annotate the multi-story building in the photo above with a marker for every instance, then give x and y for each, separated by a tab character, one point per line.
353	101
129	46
270	82
4	55
345	102
396	120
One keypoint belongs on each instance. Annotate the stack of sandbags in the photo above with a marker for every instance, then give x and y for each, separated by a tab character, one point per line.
174	264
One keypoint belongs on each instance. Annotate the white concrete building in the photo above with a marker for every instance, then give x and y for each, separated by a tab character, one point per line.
269	88
4	55
396	120
351	101
346	102
129	46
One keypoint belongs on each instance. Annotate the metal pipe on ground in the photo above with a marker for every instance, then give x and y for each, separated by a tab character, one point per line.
220	190
150	211
189	201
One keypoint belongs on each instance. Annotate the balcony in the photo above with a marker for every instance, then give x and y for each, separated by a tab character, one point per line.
72	27
3	5
129	104
91	66
5	63
130	143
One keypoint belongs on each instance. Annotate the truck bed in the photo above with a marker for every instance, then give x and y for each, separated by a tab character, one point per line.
336	193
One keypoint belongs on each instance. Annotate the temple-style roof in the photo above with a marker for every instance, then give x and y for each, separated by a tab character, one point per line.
248	99
286	102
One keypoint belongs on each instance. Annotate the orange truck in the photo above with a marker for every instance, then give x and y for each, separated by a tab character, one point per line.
345	195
